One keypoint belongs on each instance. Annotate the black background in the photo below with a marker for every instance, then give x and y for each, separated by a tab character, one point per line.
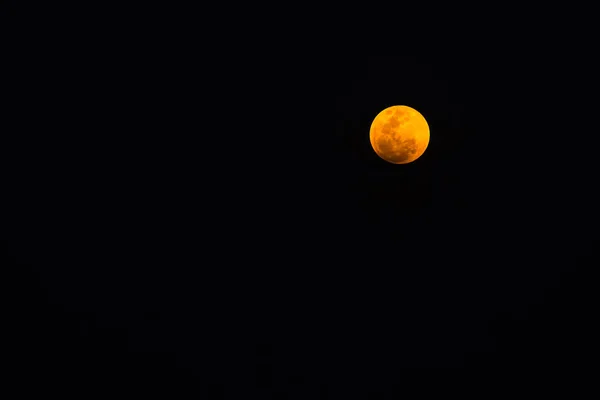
198	201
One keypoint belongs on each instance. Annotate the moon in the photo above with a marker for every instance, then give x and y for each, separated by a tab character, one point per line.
399	134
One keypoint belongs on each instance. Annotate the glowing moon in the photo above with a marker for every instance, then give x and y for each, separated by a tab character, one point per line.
399	134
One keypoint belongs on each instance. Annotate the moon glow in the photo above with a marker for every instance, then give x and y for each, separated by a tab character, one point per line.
399	134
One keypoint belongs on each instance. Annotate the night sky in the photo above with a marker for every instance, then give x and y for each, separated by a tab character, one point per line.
194	212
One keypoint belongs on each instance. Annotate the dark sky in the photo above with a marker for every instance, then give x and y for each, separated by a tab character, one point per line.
190	210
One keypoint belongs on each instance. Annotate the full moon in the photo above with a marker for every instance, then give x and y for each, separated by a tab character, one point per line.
399	134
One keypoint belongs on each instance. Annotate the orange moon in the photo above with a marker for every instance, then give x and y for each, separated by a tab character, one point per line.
399	134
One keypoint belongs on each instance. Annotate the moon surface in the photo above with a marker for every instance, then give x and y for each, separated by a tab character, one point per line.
399	134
